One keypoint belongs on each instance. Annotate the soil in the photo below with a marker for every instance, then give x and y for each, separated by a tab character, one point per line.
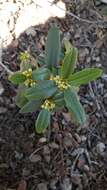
67	156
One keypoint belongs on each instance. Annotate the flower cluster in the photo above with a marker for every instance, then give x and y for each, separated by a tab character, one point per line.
24	56
48	105
27	73
61	84
28	81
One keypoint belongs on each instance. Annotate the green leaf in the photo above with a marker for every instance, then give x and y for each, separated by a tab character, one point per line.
58	99
17	78
74	106
52	51
21	100
40	74
41	60
42	90
84	76
31	106
69	62
68	46
42	121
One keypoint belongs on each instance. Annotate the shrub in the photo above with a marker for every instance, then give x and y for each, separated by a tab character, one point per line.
54	84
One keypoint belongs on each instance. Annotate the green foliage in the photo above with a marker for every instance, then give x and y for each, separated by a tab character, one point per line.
42	90
52	52
21	100
17	78
31	106
74	106
84	76
54	84
41	74
43	121
69	62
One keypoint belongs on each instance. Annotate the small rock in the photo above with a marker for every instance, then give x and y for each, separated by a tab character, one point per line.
1	89
35	158
3	110
54	145
86	168
83	53
68	140
105	99
68	162
42	140
100	148
83	138
42	186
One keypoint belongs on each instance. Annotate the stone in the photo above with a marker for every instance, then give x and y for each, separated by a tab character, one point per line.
42	186
1	89
100	148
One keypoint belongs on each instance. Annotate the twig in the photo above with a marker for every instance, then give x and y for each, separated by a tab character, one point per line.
94	97
75	161
2	65
5	68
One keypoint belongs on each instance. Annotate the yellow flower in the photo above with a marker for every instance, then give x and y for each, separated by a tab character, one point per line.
61	84
48	104
27	73
24	56
29	82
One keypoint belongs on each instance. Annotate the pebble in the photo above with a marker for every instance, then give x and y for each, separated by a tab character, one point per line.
100	148
105	99
54	145
83	138
86	168
3	110
67	141
42	140
1	89
42	186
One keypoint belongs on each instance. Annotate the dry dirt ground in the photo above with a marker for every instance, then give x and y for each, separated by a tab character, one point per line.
68	157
